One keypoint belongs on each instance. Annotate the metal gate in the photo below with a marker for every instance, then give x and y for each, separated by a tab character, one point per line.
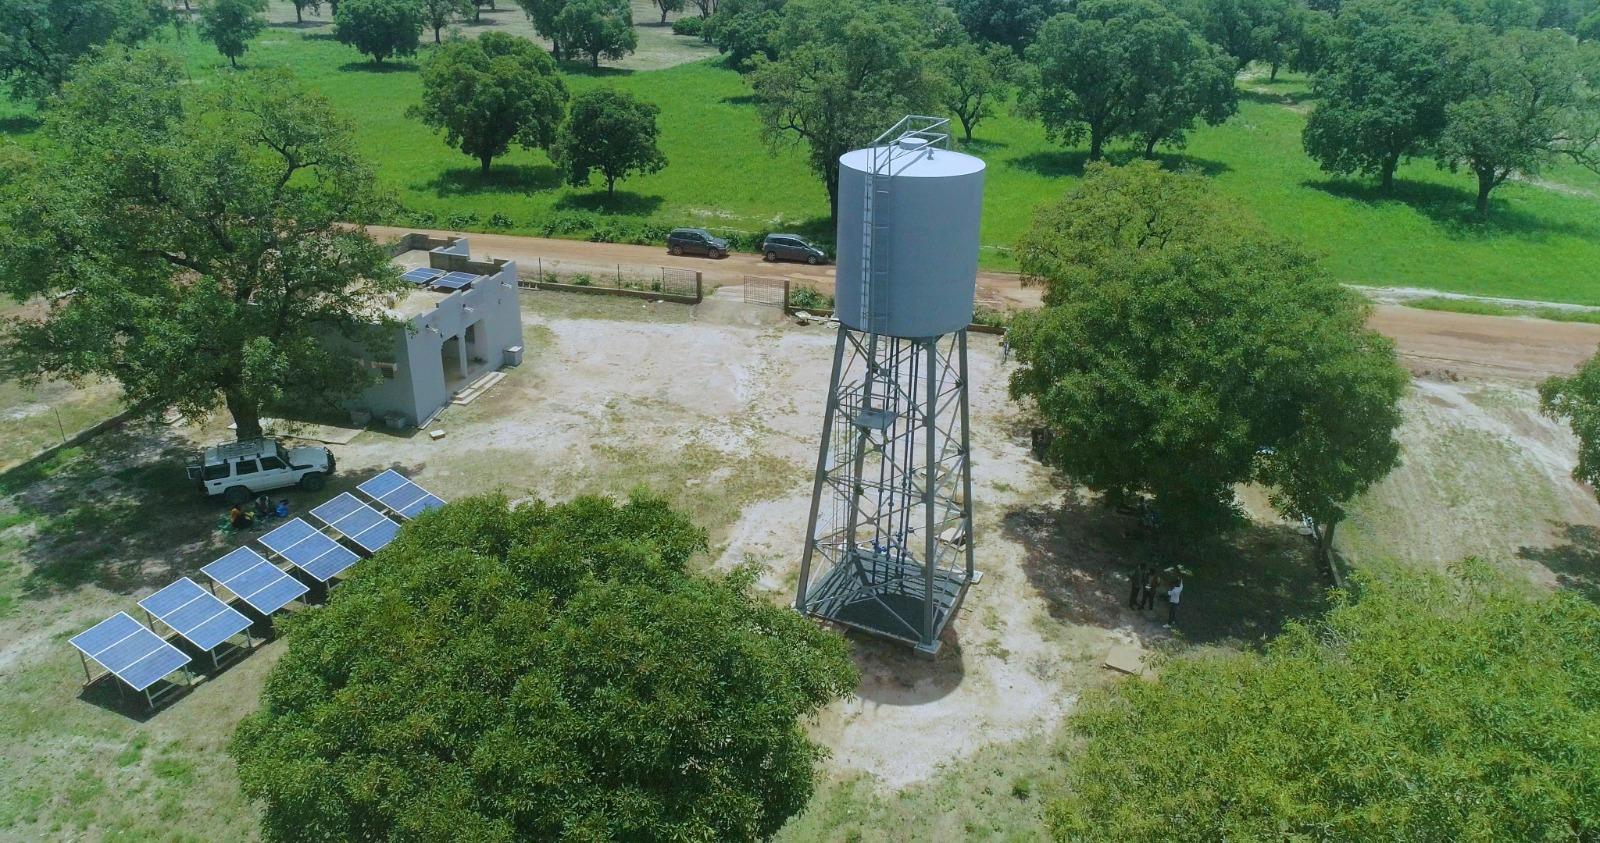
759	289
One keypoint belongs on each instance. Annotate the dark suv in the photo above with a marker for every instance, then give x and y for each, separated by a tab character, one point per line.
696	241
791	247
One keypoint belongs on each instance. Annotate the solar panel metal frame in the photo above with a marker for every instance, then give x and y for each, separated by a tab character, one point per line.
357	521
422	275
123	634
259	583
339	558
405	498
196	615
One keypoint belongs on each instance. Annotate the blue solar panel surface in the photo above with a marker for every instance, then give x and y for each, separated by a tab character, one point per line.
309	550
394	491
360	523
256	581
422	275
454	281
133	653
195	614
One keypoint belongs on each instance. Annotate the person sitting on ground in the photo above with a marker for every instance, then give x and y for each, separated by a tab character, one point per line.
263	508
283	508
238	518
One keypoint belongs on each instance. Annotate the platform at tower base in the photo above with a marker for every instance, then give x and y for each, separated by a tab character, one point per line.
884	596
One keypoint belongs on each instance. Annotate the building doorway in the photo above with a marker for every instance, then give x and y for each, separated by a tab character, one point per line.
450	358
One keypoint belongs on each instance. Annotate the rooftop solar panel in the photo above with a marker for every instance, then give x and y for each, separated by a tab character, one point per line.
400	495
256	581
358	522
454	281
131	652
310	550
195	614
422	275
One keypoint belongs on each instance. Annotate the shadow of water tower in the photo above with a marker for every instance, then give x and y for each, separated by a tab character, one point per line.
888	546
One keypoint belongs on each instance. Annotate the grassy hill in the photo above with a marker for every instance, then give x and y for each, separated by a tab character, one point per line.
1542	241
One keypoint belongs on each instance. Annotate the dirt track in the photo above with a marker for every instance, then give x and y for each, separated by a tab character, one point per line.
1432	342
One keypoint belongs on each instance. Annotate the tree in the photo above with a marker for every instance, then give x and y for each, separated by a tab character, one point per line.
1182	351
1576	399
40	40
379	28
549	672
542	15
1382	94
1524	98
1012	23
1121	67
437	14
611	132
210	258
598	29
971	79
706	7
230	24
301	5
846	71
1249	30
488	92
666	7
1426	707
745	29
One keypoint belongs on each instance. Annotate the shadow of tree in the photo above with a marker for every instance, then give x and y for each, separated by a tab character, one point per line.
892	673
1284	98
575	68
20	125
622	202
1576	564
1071	162
501	178
983	146
743	99
374	67
1453	209
1240	590
306	24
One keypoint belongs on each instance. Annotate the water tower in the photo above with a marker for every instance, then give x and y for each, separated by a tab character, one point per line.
889	539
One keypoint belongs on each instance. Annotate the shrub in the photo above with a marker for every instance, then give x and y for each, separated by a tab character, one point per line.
693	25
805	298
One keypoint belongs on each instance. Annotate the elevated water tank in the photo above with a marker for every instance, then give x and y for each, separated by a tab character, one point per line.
924	261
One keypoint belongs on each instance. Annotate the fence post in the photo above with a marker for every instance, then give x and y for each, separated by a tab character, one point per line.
785	304
541	270
619	276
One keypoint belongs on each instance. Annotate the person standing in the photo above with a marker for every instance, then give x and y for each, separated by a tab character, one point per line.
1135	585
1147	596
1173	595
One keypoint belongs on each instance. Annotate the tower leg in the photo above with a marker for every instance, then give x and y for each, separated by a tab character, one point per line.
967	503
930	489
822	469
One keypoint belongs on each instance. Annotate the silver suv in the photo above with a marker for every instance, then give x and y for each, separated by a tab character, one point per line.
238	471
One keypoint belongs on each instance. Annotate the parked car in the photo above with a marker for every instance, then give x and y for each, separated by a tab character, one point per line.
238	471
696	241
791	247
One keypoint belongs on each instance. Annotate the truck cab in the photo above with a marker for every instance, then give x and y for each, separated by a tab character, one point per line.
238	471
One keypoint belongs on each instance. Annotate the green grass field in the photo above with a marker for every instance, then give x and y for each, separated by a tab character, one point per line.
1542	240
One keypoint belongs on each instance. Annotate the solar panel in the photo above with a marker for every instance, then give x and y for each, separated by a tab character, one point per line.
256	581
400	495
422	275
310	550
195	614
131	652
360	523
454	281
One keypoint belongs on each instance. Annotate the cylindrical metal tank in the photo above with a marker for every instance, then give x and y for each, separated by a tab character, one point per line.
924	265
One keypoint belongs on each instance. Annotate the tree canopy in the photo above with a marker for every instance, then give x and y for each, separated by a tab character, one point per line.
1575	398
189	242
490	91
744	29
230	24
1113	68
1426	707
548	672
597	29
610	132
40	40
1182	351
972	80
1012	23
846	71
437	14
379	28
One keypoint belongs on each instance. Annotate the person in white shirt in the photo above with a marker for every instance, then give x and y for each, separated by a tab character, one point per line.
1172	602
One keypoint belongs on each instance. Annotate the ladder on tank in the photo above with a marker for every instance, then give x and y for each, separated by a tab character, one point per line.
888	150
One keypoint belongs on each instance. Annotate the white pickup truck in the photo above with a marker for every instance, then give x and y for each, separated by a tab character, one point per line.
238	471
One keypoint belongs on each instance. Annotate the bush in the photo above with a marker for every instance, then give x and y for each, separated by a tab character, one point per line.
691	25
462	219
500	220
805	298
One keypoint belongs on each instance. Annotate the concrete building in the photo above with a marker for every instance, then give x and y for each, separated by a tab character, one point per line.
463	321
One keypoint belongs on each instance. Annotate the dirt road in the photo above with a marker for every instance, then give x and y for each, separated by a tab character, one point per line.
1432	342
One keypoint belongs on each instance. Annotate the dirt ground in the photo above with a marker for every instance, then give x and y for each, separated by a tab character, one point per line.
718	407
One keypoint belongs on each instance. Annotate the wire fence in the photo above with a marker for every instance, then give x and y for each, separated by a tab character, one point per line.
612	276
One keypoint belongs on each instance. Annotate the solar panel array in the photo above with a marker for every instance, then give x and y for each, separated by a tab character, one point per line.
357	522
422	275
310	550
256	581
394	491
131	652
195	614
455	281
